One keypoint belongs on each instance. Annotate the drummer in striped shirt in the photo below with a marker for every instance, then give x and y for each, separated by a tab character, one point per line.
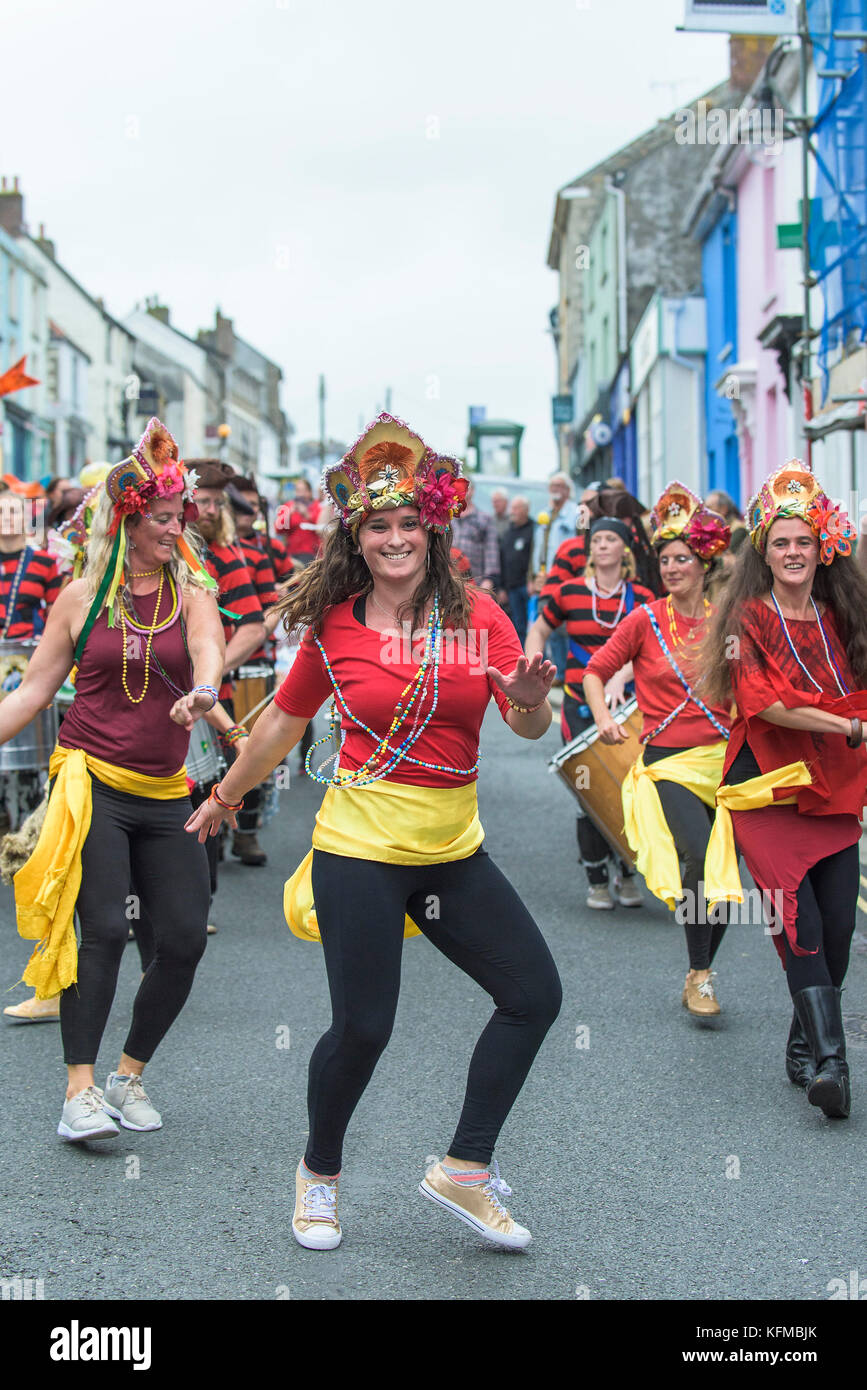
29	580
591	607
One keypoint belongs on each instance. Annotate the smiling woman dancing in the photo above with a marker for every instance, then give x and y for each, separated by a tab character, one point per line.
398	843
790	643
146	635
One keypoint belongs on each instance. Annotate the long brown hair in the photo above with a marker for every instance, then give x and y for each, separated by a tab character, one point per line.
340	571
841	585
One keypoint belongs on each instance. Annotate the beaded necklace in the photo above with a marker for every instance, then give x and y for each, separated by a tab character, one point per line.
690	693
843	689
137	626
12	599
621	589
674	636
411	700
137	699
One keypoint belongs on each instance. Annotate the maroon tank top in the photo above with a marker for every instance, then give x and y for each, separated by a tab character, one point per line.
102	720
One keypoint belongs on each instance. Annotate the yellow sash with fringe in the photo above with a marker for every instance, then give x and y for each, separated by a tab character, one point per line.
46	887
698	770
389	823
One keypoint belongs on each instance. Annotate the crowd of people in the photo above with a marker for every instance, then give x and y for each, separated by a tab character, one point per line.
730	649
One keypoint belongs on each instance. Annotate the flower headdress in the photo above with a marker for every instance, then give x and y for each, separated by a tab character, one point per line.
152	471
794	491
679	515
390	466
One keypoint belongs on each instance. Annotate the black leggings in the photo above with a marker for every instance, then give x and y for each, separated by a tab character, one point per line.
690	821
827	900
471	913
140	841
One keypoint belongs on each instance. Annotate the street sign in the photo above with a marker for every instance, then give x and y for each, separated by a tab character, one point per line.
562	410
742	16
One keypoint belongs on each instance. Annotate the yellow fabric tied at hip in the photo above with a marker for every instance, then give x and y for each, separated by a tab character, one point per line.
388	823
46	887
698	770
722	880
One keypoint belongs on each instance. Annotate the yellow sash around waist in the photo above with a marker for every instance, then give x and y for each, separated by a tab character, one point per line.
46	887
722	880
389	823
699	771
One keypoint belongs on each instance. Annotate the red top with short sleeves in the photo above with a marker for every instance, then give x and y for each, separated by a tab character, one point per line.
657	689
372	670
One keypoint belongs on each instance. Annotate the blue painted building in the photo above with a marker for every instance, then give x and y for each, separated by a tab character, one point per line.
719	279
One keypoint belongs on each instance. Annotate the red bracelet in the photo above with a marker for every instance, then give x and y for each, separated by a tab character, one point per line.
226	805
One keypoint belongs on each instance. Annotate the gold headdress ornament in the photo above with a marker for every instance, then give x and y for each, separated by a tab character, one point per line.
679	515
794	491
390	466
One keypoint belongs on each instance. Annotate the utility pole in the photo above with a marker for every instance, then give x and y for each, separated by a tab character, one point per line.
388	400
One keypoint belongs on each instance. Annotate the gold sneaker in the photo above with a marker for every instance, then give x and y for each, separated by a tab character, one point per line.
35	1010
478	1205
699	997
315	1224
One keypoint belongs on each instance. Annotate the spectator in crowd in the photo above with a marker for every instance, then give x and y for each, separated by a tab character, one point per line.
298	521
475	534
500	504
559	525
516	554
719	501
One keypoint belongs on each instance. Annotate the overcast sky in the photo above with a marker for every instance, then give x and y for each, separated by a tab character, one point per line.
365	187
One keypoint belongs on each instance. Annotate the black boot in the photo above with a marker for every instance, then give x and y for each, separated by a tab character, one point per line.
800	1063
821	1017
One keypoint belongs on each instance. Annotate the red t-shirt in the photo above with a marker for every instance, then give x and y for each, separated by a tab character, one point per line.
657	689
299	529
372	671
764	671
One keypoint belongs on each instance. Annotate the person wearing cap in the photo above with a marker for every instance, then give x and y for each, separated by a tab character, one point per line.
789	643
411	658
243	622
590	609
143	631
669	793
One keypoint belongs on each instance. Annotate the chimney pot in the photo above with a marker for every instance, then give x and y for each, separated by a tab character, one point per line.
15	187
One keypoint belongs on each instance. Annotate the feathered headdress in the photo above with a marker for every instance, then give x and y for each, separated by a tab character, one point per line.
679	515
390	466
794	491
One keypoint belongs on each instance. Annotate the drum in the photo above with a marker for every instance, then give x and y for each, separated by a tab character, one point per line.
205	762
594	773
253	684
30	749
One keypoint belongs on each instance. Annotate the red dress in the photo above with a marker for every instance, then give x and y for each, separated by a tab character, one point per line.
781	843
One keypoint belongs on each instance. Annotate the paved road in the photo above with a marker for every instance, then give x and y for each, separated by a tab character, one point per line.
618	1152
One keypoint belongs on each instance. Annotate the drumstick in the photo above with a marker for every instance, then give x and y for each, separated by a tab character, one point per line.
256	708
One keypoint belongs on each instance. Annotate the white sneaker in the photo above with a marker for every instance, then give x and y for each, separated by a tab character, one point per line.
627	891
84	1117
599	897
126	1101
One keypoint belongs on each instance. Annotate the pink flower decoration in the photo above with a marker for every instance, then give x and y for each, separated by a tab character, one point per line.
440	498
707	535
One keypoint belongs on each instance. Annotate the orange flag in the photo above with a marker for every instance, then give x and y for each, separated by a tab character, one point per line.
16	379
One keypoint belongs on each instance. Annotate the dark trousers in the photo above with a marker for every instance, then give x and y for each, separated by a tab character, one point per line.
827	901
690	821
135	840
518	601
470	912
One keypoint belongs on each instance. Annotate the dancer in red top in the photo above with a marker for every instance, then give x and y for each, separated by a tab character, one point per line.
398	843
591	607
661	640
790	643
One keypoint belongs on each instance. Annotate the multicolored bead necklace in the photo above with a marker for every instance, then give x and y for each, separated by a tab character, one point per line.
411	700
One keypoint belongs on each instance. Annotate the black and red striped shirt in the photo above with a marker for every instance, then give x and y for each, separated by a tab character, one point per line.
38	587
264	581
568	563
572	603
283	565
237	592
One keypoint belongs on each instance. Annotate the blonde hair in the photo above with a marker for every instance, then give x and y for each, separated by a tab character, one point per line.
99	548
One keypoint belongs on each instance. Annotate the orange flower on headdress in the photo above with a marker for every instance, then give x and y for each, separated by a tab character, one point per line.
832	527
